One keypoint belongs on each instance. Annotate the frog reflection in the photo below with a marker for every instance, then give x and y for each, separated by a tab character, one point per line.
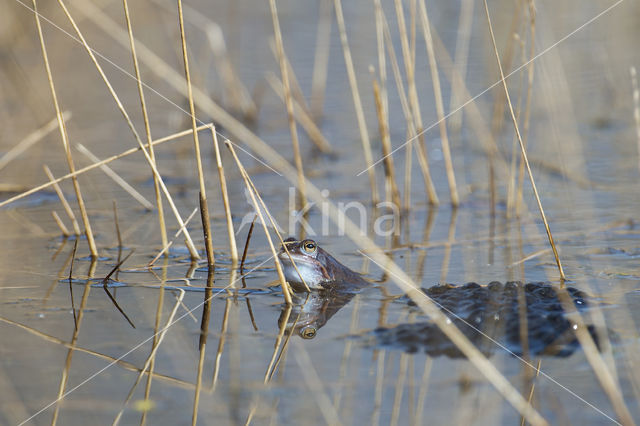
311	311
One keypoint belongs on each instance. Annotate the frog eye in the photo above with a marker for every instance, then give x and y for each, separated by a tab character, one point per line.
309	246
308	332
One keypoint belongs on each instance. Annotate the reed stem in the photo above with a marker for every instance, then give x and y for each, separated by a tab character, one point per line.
65	139
522	147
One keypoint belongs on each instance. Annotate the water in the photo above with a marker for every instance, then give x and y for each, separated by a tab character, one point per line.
584	158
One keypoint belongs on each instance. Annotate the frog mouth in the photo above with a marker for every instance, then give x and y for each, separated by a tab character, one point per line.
310	269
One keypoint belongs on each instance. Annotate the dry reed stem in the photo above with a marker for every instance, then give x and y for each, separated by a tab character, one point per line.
311	128
96	165
382	32
382	60
636	106
190	245
151	356
121	363
31	139
233	248
65	138
246	248
522	147
289	105
116	178
392	192
460	60
446	151
321	59
206	225
285	286
362	125
204	207
63	200
60	223
414	104
147	127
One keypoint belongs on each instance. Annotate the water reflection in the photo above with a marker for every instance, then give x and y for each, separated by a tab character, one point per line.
311	311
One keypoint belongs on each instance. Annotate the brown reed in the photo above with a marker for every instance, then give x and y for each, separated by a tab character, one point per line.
60	223
147	126
392	192
204	207
233	249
